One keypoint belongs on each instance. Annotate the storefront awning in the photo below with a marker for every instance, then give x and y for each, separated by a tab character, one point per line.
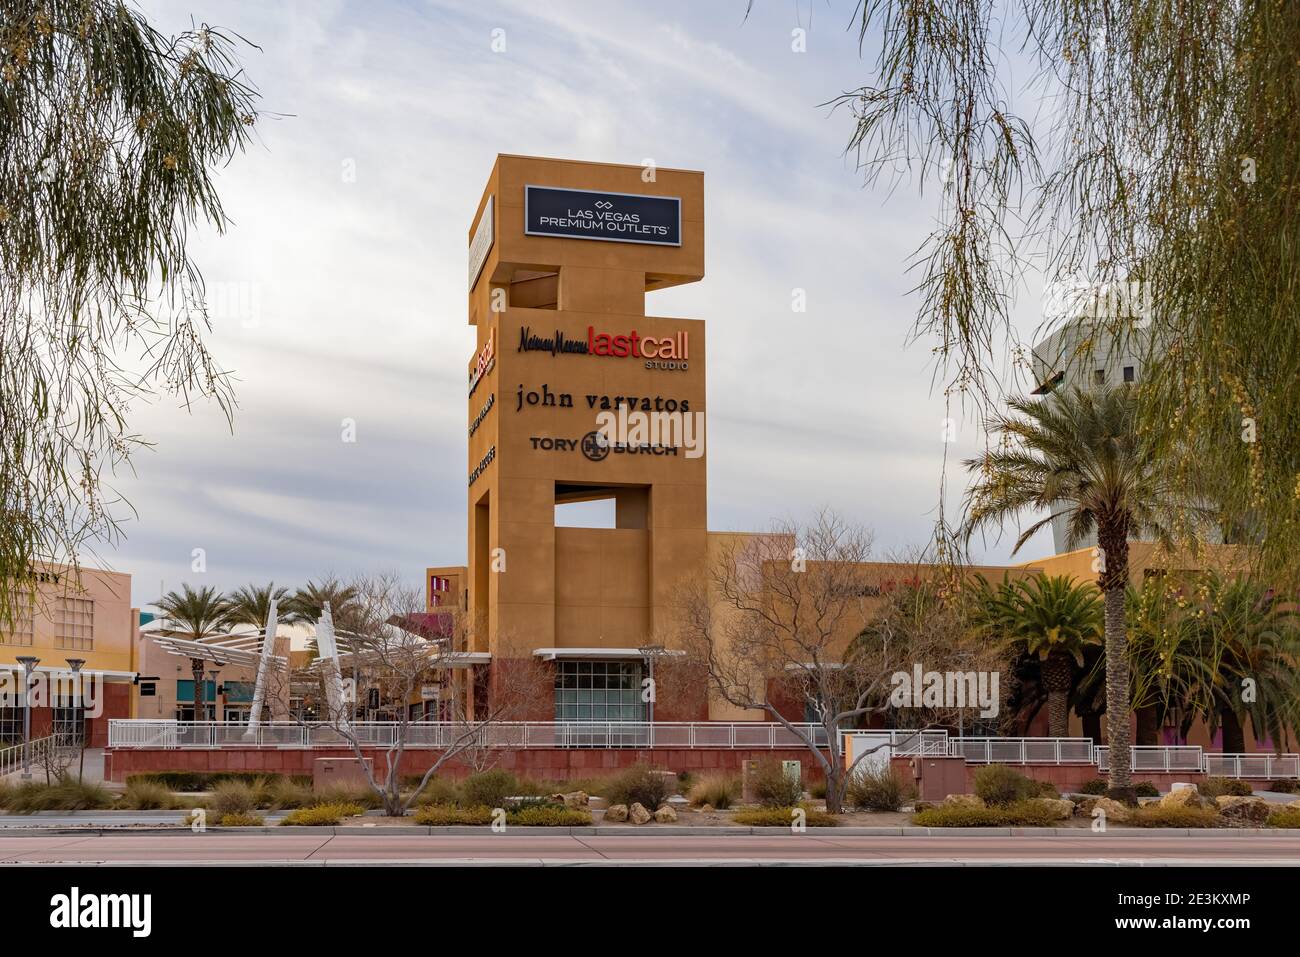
551	654
109	676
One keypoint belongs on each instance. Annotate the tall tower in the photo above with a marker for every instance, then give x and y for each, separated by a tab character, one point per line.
562	254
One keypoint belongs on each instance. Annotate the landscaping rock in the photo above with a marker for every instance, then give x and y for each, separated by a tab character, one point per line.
1115	812
617	813
1294	805
1243	811
575	799
1183	797
964	800
666	815
637	814
1062	809
706	808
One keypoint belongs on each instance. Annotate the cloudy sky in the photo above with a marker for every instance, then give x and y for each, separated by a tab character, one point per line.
340	287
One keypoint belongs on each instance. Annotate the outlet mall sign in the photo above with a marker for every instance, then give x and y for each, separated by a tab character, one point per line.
611	217
659	352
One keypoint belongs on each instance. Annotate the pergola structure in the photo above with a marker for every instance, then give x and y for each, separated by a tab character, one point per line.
249	649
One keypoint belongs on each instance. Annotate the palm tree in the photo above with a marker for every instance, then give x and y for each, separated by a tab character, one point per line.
1249	647
195	616
251	604
1053	619
1078	454
343	599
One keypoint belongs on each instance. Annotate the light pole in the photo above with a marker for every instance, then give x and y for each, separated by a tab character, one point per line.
29	664
213	674
651	652
76	665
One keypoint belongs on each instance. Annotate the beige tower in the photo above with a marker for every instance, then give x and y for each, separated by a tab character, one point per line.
562	254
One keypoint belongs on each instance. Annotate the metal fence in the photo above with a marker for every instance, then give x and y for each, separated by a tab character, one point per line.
686	735
1153	757
1022	750
40	750
144	733
1273	766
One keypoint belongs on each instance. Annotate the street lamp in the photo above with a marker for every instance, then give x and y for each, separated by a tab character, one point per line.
76	665
29	664
651	652
213	675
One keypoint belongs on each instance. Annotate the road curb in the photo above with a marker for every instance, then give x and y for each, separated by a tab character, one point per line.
652	831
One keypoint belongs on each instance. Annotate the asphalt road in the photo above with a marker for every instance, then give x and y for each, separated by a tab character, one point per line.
538	849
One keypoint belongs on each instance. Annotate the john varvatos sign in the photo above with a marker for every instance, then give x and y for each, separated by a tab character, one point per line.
612	217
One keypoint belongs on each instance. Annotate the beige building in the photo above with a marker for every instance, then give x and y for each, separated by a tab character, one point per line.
67	614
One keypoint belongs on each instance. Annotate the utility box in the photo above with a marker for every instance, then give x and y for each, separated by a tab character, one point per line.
937	776
793	770
327	771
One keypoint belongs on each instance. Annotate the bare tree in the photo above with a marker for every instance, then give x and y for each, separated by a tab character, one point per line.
780	623
398	649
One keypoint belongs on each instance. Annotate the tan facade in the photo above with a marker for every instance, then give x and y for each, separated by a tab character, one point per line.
71	613
552	316
74	613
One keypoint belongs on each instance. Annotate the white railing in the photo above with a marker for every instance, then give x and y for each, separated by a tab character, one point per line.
686	735
1271	766
906	743
11	758
1022	750
1158	757
148	733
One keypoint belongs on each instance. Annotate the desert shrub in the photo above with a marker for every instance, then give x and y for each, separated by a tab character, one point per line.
242	820
773	787
442	815
489	788
1017	814
1153	815
638	785
144	795
6	792
879	789
279	794
321	815
359	793
782	817
65	794
719	790
999	784
232	797
185	781
549	815
1145	789
1097	786
438	791
1283	786
1213	787
1284	817
1045	789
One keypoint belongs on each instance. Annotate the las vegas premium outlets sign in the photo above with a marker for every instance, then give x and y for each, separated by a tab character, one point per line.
609	217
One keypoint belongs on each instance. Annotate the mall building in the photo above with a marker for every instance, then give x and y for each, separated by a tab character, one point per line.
562	256
68	619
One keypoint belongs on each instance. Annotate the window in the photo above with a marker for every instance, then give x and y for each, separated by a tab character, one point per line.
69	720
1128	374
11	723
1099	377
22	630
599	691
75	624
185	712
